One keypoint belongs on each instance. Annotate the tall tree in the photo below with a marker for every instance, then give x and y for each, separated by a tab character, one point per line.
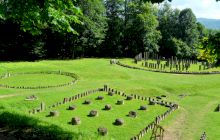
92	32
180	35
114	35
188	27
141	29
168	25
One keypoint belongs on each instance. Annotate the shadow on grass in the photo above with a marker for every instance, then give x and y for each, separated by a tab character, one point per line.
217	109
26	128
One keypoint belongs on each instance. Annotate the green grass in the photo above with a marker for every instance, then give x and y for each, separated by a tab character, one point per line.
33	80
89	125
195	115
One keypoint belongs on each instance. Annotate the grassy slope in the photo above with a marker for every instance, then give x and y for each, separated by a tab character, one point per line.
196	113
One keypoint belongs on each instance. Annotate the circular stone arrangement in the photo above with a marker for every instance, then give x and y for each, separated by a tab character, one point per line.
29	74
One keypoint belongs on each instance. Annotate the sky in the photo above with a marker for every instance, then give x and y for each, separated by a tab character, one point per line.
201	8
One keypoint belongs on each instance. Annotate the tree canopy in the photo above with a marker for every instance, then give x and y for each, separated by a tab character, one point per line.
42	29
37	15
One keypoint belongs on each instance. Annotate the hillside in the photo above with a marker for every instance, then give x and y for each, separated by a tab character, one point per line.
210	23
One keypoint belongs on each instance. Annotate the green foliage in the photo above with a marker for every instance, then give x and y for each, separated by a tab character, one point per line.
210	48
92	32
188	27
141	28
182	50
34	16
180	32
114	35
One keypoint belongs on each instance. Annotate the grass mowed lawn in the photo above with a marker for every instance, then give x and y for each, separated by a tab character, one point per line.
34	80
195	115
106	118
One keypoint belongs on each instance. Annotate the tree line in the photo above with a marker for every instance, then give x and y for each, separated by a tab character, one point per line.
45	29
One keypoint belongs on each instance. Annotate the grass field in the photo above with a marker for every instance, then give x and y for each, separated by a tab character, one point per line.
195	115
89	125
33	80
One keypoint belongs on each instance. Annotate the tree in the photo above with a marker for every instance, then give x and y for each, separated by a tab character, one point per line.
37	15
112	45
141	28
179	30
92	32
169	27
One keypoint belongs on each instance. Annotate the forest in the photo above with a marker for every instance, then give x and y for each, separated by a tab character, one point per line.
45	29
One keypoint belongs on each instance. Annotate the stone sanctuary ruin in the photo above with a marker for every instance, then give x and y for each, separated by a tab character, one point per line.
153	62
108	92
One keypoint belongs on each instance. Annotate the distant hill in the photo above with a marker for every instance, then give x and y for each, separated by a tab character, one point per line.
210	23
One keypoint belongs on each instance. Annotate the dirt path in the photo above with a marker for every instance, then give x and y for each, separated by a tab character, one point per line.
173	132
9	95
